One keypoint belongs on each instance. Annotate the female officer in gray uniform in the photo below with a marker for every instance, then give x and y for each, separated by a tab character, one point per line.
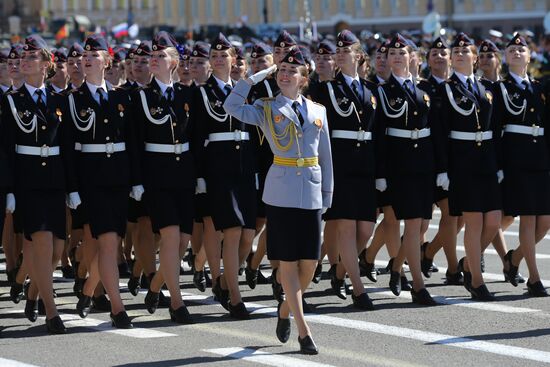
298	185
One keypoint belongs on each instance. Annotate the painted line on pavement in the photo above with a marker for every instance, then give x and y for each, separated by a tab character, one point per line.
491	251
11	363
259	357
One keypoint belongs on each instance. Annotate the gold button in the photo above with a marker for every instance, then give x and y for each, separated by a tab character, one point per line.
107	138
415	113
177	158
238	147
43	164
173	124
177	141
358	144
299	173
532	109
106	120
43	127
108	156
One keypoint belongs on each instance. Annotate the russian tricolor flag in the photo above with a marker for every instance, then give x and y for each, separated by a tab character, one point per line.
120	30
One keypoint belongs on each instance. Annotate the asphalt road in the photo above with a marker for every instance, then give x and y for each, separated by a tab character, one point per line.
513	331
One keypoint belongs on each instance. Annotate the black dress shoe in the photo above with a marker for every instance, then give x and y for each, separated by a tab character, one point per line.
482	262
306	307
405	285
208	280
123	270
121	320
425	263
536	289
101	303
338	287
152	301
362	302
144	282
199	280
31	310
454	278
133	285
283	326
83	306
238	311
366	269
181	315
27	286
41	307
422	297
251	277
278	292
78	285
467	281
164	301
318	271
435	268
12	274
16	292
221	295
395	282
481	293
307	345
67	272
55	326
262	279
512	271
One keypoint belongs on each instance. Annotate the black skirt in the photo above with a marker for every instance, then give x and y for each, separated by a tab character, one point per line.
293	234
232	203
353	199
78	217
136	209
474	193
42	210
440	194
201	207
17	217
526	193
170	208
2	213
106	210
411	196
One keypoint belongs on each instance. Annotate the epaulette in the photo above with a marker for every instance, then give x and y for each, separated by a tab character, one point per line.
267	99
319	104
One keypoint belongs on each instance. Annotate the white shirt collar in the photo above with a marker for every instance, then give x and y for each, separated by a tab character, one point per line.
438	80
350	79
464	78
402	80
32	89
221	83
93	88
163	86
300	100
4	88
380	79
56	88
519	79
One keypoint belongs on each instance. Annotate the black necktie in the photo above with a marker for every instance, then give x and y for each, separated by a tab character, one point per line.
169	94
227	89
40	101
409	87
102	98
527	86
357	89
471	88
297	111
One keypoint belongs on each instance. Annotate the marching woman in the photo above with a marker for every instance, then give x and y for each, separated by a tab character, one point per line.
32	126
226	169
520	106
99	122
167	169
471	140
184	74
298	185
351	110
405	164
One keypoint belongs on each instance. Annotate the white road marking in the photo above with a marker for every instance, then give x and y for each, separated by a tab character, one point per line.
491	251
11	363
259	357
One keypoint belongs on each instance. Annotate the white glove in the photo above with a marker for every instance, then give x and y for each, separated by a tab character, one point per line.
10	203
201	186
381	184
137	192
500	175
261	75
73	200
442	181
324	210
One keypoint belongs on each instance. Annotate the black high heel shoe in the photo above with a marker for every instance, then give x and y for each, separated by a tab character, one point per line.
199	280
512	272
307	345
133	285
362	302
422	297
425	263
152	301
83	306
55	326
318	271
338	286
278	292
238	311
283	326
536	289
467	275
251	276
481	293
365	268
181	315
31	310
395	279
405	285
221	295
16	292
121	320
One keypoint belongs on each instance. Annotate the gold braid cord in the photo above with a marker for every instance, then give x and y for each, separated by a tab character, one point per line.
289	131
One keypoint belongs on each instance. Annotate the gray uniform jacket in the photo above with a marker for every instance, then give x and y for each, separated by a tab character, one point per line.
290	187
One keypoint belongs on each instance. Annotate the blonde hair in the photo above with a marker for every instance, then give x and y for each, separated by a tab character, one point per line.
174	54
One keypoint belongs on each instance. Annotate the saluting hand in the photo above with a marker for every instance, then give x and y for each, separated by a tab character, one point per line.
261	75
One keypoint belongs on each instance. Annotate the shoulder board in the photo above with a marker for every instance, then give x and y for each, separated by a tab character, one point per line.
267	99
318	104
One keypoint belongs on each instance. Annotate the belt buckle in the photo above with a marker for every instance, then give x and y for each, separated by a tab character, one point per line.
361	135
535	130
237	135
44	151
178	148
479	136
109	148
415	134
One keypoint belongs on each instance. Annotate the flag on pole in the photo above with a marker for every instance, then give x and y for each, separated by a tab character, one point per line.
120	30
62	33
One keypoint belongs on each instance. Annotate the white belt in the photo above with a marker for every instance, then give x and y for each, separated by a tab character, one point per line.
43	151
108	148
477	136
526	130
167	148
77	146
360	135
409	134
236	135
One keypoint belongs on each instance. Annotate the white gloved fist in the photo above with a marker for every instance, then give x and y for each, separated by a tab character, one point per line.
137	192
261	75
381	184
10	203
201	186
500	175
442	181
73	200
